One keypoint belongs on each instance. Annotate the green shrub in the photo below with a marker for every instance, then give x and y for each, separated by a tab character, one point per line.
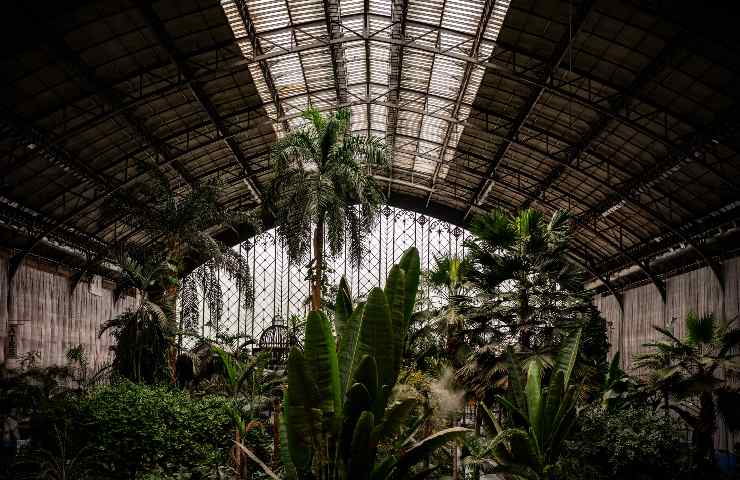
129	429
626	444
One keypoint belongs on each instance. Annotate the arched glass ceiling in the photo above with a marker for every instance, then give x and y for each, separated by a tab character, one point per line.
409	70
281	289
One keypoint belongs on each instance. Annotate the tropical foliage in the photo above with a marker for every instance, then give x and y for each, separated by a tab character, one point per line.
142	335
624	444
181	227
319	173
541	417
697	372
340	403
519	261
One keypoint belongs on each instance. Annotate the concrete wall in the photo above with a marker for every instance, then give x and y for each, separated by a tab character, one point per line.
51	319
697	291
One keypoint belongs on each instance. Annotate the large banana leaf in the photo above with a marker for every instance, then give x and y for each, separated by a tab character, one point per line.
302	413
321	360
289	471
348	347
395	293
426	447
489	420
394	418
534	400
363	454
567	356
411	266
342	306
366	374
358	401
516	384
376	333
552	406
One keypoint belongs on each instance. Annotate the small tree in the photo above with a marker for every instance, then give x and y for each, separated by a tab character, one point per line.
180	227
319	173
520	262
142	335
697	371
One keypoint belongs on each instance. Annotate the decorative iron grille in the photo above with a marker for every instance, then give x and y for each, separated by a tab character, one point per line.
281	289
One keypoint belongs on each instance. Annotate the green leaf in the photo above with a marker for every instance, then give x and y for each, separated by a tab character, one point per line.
699	329
567	356
358	401
395	294
321	359
516	384
301	411
490	420
342	306
552	405
367	375
289	470
411	266
348	347
426	447
534	399
519	414
363	455
394	418
375	334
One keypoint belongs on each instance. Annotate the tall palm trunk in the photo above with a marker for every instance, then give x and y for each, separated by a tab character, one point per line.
525	332
703	437
318	255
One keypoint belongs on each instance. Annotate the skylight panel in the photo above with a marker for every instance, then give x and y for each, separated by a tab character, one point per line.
354	54
427	11
304	11
436	89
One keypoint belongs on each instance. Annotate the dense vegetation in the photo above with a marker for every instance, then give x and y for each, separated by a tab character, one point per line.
383	388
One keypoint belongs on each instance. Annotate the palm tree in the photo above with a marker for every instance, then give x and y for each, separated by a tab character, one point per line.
180	227
519	262
448	278
320	172
698	371
142	335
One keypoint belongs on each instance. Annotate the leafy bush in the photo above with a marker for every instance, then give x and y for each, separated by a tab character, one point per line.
129	429
628	444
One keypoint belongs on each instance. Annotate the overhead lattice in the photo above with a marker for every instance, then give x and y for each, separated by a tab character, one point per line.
625	113
409	71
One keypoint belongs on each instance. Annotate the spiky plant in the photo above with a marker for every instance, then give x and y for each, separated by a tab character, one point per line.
698	372
320	172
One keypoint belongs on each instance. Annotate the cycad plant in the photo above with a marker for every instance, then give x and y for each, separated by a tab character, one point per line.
338	406
519	261
697	371
541	416
142	335
180	227
319	173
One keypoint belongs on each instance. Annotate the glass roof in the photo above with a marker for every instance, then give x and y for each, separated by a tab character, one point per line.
409	71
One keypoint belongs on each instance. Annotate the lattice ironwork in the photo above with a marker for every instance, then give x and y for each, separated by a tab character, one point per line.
281	288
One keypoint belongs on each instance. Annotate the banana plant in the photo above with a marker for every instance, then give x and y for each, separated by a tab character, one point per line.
337	407
542	416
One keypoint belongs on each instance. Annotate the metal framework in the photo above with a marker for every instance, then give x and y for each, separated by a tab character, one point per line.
280	287
623	113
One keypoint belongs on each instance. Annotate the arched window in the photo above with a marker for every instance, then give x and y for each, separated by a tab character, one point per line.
212	304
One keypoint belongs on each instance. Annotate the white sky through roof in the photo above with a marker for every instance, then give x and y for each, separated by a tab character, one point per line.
421	111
